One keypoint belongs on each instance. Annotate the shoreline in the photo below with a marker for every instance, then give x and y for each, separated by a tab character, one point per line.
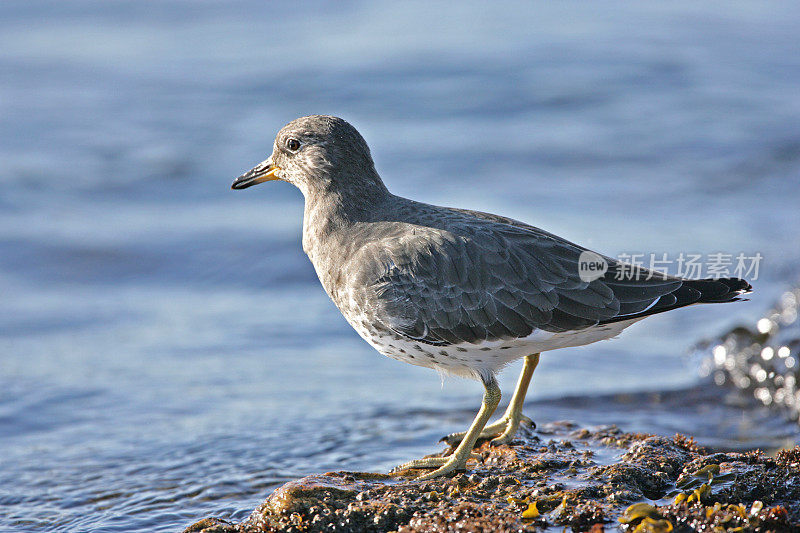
561	475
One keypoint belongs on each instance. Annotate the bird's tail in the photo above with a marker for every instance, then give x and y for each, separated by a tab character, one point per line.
718	290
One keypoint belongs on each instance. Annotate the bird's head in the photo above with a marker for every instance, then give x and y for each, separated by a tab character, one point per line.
318	154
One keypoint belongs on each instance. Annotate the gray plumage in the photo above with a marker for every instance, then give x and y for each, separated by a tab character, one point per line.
442	280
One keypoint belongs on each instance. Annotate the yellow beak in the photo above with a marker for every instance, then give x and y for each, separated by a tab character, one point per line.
264	172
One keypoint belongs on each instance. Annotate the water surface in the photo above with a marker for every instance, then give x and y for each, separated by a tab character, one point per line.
166	352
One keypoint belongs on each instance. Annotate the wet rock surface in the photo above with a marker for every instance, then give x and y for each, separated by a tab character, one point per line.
561	476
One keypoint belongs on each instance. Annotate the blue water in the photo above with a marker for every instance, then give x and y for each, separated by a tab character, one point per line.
166	352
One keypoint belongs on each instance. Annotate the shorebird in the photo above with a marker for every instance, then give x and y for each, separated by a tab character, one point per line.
459	291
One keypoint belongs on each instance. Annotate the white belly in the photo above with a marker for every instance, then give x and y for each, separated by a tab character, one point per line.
485	358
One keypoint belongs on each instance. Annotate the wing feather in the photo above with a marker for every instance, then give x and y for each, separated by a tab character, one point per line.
482	277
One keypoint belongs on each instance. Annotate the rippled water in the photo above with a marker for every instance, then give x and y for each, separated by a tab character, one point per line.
166	352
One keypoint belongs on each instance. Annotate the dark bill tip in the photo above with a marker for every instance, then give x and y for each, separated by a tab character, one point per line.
257	175
244	181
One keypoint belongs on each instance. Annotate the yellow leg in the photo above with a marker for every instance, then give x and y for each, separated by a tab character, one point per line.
458	459
509	423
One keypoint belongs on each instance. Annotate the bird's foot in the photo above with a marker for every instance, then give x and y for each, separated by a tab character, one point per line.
443	465
503	430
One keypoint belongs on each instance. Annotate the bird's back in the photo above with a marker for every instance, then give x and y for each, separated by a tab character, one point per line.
442	276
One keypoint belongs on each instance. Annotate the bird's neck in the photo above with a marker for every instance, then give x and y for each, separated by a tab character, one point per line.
330	223
330	212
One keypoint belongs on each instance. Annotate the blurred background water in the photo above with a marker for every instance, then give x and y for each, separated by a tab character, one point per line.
166	352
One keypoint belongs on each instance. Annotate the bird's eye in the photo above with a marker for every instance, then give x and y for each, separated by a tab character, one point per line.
293	145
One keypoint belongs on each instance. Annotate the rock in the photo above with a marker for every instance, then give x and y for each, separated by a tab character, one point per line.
587	480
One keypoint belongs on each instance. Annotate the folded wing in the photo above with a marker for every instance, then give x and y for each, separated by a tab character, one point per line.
487	278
